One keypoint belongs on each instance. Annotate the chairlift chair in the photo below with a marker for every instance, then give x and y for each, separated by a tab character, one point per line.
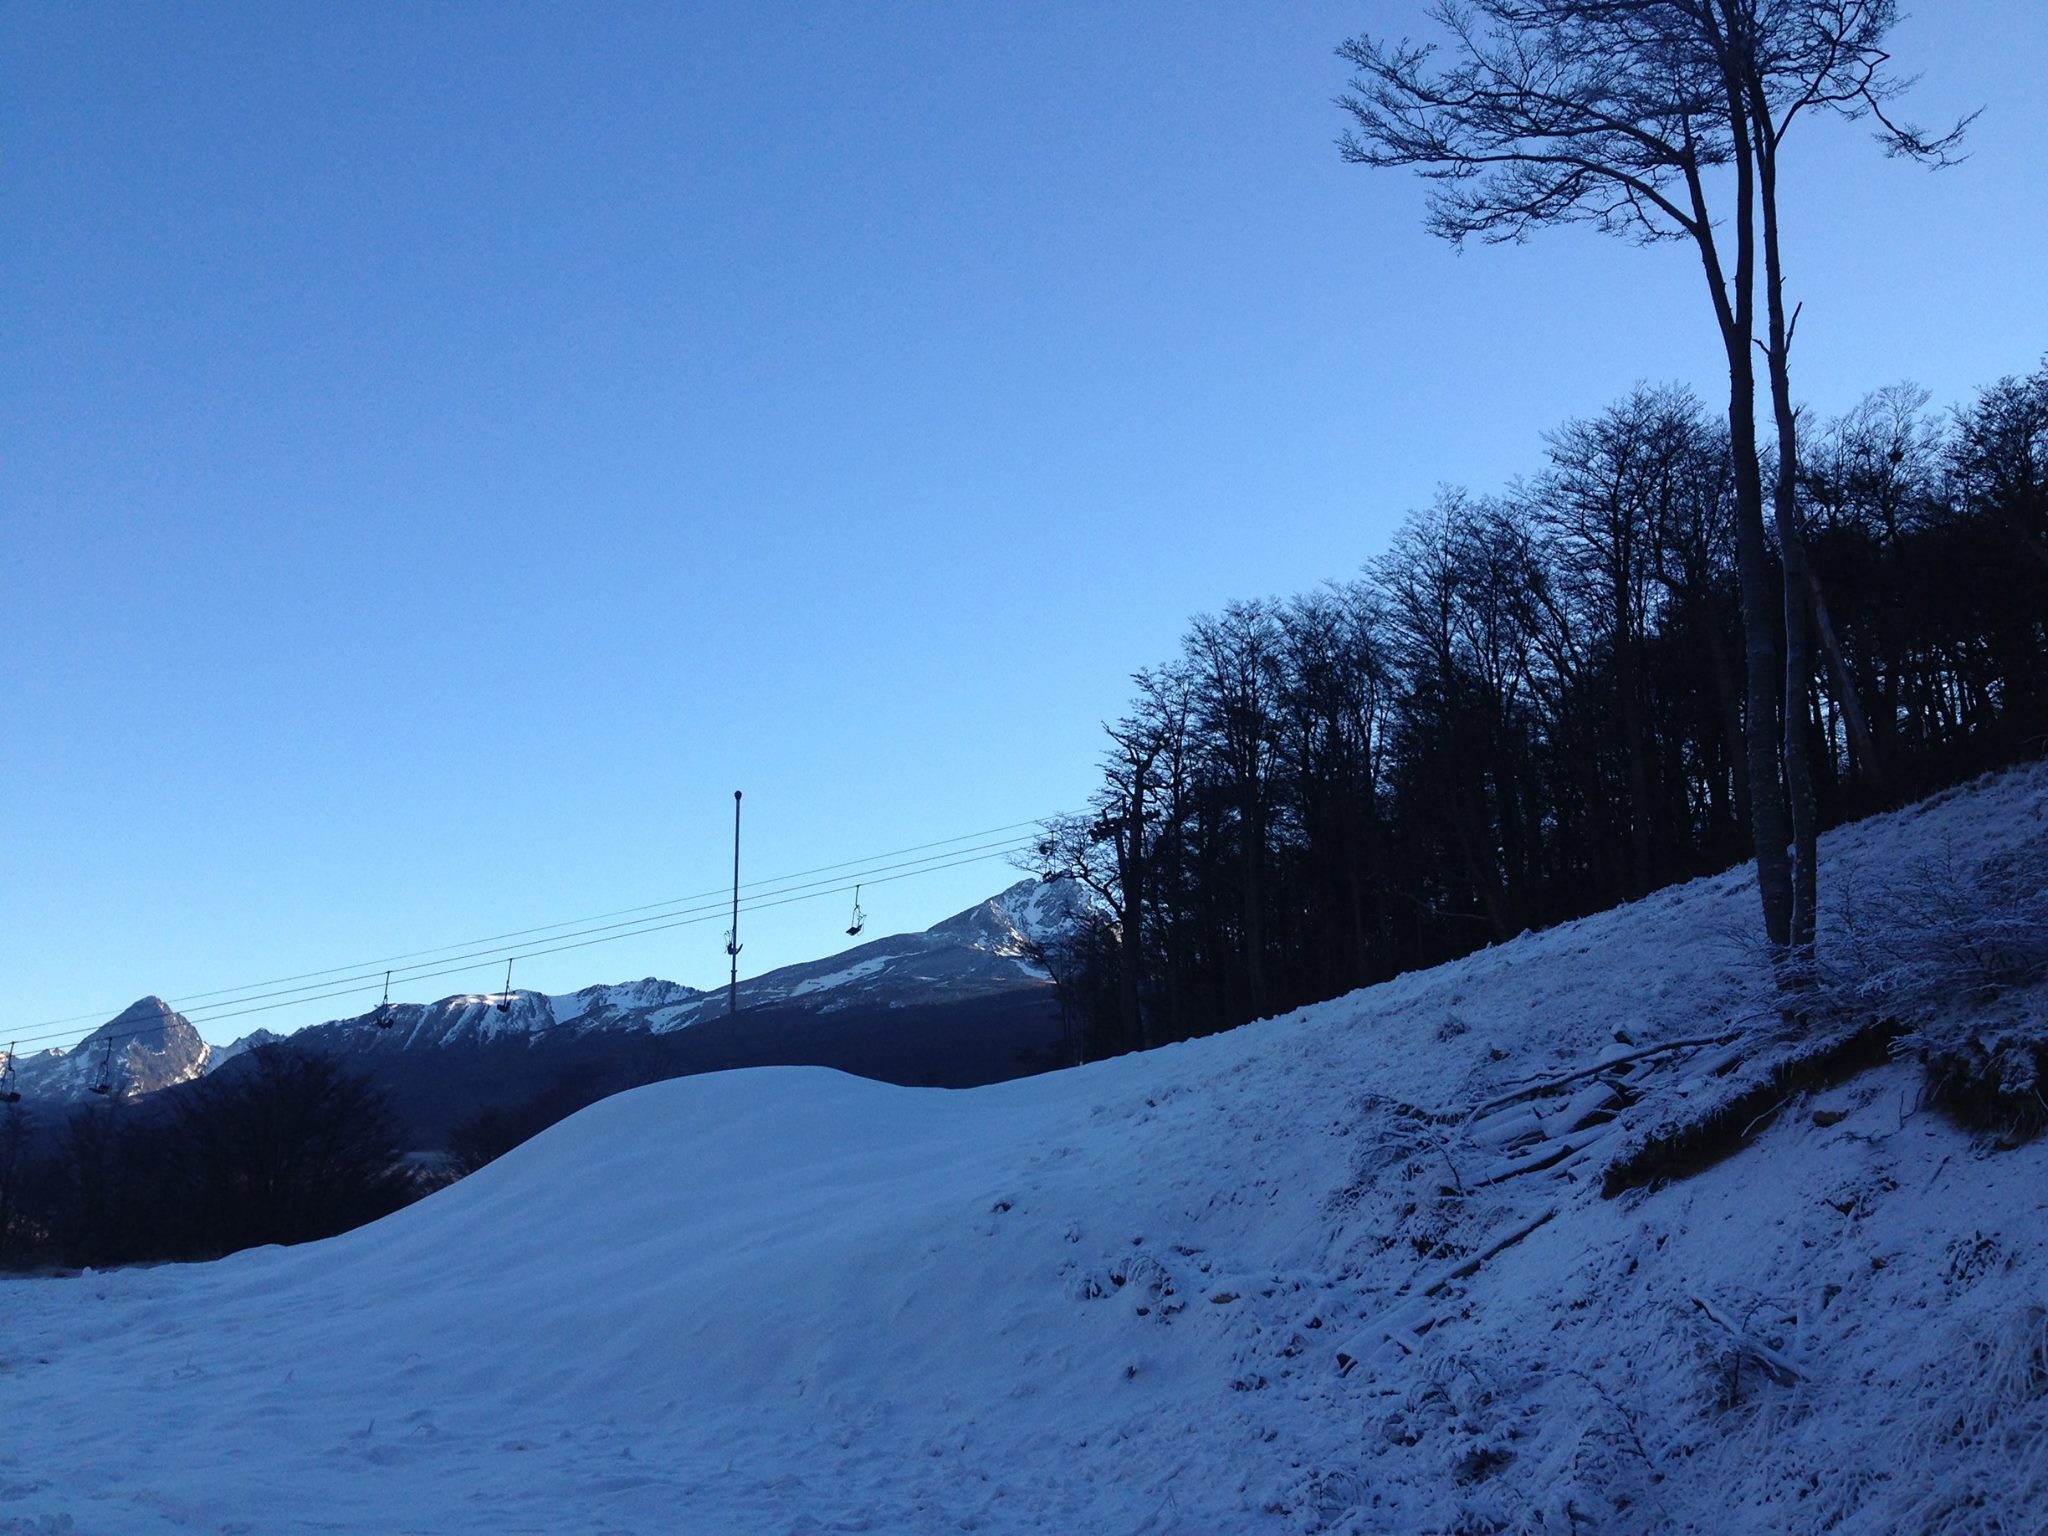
9	1094
505	1002
384	1007
103	1085
860	918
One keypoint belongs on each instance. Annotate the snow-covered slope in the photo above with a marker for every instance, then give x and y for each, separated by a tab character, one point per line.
1306	1276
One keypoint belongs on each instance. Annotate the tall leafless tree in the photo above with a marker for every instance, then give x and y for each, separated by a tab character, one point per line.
1788	59
1554	112
1235	659
1631	115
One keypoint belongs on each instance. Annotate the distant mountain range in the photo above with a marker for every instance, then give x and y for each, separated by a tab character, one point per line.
963	1002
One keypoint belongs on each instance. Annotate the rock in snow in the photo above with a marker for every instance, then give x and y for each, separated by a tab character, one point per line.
1284	1279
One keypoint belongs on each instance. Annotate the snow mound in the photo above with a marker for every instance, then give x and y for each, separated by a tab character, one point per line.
1347	1270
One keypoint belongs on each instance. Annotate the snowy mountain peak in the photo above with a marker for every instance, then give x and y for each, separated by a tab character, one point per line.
145	1047
991	945
611	999
1017	921
144	1014
1040	910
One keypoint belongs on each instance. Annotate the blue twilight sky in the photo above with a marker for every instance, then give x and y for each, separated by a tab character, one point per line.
446	449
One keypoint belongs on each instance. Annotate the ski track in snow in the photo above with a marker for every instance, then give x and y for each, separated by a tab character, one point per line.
1115	1299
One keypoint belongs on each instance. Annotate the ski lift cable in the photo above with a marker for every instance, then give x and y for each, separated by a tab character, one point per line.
456	964
764	902
247	991
429	955
631	924
556	949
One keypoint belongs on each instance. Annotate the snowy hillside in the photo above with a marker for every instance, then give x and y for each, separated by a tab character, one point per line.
1347	1270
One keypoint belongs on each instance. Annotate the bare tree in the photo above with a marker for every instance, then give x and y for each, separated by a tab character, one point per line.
1334	707
1463	602
1554	112
1103	852
1612	484
14	1128
1166	699
1867	479
1786	59
2001	458
1110	850
1619	113
1236	665
288	1146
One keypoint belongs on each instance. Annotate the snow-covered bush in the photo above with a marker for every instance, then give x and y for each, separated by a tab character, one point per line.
1973	1460
1948	935
1958	953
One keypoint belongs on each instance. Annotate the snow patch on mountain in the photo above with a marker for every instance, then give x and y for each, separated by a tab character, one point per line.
1039	911
610	1000
855	972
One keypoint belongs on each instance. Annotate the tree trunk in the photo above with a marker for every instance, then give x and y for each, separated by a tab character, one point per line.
1847	696
1130	956
1254	912
1800	587
1731	722
1736	315
1759	623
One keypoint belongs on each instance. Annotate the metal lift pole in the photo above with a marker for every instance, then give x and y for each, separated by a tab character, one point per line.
732	940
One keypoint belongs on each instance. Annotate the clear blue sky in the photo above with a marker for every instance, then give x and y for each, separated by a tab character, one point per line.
445	450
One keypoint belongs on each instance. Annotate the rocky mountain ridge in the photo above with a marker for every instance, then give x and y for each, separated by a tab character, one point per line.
983	956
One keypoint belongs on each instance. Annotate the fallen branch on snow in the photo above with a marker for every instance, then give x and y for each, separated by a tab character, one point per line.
1467	1267
1555	1084
1392	1325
